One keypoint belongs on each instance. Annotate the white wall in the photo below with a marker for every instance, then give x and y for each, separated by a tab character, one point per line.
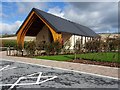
73	39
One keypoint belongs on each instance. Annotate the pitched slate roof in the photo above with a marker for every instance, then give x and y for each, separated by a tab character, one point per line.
63	25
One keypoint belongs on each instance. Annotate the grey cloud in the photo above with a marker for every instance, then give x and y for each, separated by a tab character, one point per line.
9	28
99	16
24	7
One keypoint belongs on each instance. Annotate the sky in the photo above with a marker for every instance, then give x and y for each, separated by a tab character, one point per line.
101	17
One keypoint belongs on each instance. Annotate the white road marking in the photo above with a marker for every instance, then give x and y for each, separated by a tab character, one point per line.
48	79
38	79
31	76
6	68
116	78
10	68
16	82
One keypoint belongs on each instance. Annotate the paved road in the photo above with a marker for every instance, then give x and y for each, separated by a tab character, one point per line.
13	71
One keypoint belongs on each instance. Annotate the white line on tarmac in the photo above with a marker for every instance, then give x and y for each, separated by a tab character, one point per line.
10	68
22	84
65	69
4	67
38	79
16	82
33	74
30	76
48	79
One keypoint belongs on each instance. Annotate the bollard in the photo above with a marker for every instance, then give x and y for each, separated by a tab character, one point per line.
22	52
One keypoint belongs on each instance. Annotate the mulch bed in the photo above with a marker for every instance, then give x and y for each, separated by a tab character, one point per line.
110	64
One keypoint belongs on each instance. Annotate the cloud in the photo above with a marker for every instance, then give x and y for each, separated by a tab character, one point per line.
56	11
10	28
99	16
24	7
3	15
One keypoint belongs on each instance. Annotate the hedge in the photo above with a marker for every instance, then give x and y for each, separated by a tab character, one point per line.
7	43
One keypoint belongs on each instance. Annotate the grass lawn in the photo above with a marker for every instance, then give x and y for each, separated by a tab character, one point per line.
104	57
57	57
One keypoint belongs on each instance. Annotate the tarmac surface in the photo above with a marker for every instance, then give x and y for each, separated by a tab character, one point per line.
21	75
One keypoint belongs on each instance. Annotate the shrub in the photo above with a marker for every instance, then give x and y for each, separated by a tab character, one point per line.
30	47
53	48
40	45
92	46
57	47
7	43
49	48
113	43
